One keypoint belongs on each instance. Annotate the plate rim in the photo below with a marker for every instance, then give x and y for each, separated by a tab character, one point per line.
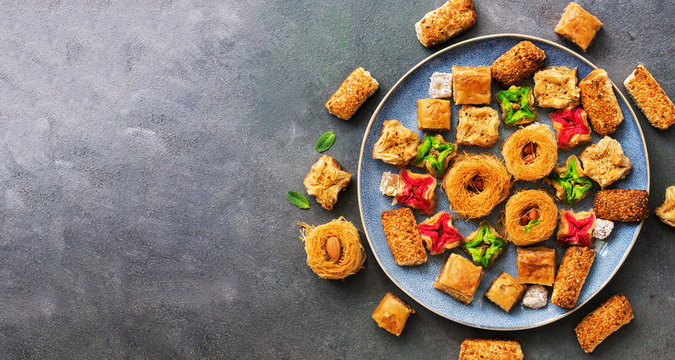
396	85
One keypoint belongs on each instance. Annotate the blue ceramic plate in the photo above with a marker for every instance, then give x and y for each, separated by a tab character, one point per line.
400	104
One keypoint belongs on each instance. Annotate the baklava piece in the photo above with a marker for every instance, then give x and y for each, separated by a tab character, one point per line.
417	191
571	276
535	297
556	87
477	126
433	114
440	85
392	313
650	98
459	278
599	101
403	237
578	26
397	144
351	94
325	180
609	317
484	244
437	26
438	233
475	349
605	162
576	228
621	204
666	211
517	64
517	105
471	84
435	154
536	265
571	127
505	291
569	181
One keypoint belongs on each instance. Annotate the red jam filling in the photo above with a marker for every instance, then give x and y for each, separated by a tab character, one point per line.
414	192
577	230
440	233
572	124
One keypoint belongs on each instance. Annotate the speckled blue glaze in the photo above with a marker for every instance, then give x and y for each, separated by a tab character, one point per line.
400	104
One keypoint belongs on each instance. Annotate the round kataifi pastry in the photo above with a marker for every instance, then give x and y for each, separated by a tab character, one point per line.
530	216
531	152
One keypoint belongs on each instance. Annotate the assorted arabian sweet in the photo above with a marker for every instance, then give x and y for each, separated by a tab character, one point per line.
325	180
569	181
571	127
484	244
397	144
605	162
599	101
666	211
621	204
471	85
403	237
578	26
609	317
392	314
505	291
650	98
435	154
437	26
459	278
571	276
531	153
334	250
556	87
530	216
517	64
536	265
535	297
477	126
416	191
517	105
475	184
576	228
433	114
438	233
602	228
440	85
352	93
473	349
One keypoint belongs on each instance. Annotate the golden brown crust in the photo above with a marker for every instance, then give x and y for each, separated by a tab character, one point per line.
475	349
397	144
556	87
353	92
505	291
605	162
650	98
621	204
471	85
536	265
403	237
477	126
392	313
614	313
437	26
666	211
578	26
325	180
459	278
600	103
571	276
546	152
433	114
517	64
520	204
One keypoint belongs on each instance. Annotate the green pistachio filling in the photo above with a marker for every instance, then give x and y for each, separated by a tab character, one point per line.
434	152
519	96
575	185
484	246
530	224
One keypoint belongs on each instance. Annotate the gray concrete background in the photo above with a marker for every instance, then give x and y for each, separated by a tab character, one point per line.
146	147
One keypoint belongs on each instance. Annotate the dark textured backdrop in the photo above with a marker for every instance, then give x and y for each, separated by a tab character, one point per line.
146	147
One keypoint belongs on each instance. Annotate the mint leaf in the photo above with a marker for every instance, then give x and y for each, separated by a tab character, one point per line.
325	141
297	199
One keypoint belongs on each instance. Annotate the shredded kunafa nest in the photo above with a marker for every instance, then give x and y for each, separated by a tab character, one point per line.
531	152
530	216
334	250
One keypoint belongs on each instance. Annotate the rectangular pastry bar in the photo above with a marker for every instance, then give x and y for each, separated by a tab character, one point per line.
353	92
433	114
650	98
599	101
403	237
536	265
392	313
471	84
621	204
571	276
578	26
459	278
505	291
439	25
517	64
473	349
603	321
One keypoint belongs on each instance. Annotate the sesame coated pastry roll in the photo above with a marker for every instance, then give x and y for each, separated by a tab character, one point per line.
621	204
352	93
600	103
650	98
437	26
517	64
603	321
474	349
571	276
403	237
